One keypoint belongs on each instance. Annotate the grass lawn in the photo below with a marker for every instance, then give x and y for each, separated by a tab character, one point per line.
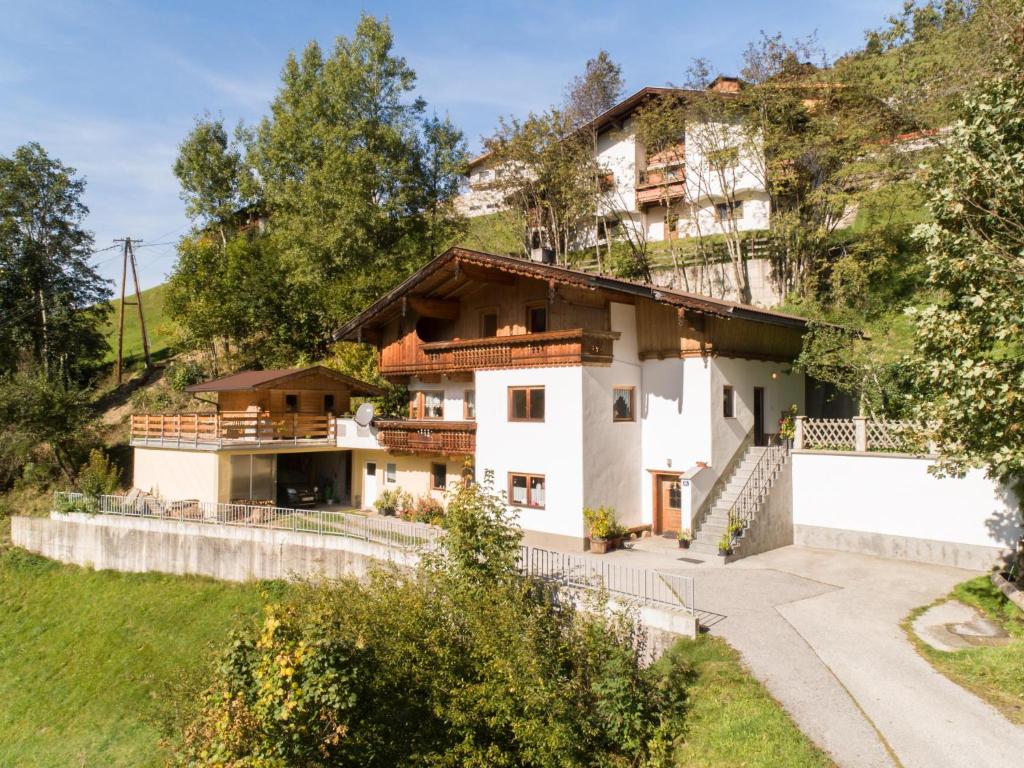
733	720
996	674
96	666
157	327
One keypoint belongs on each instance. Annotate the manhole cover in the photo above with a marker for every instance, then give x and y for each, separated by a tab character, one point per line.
691	560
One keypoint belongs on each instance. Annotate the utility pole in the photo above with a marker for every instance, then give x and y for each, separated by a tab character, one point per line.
129	256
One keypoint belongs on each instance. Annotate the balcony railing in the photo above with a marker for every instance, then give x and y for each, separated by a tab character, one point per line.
528	350
654	186
448	438
229	428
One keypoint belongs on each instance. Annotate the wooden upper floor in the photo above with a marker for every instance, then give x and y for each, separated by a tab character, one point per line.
468	311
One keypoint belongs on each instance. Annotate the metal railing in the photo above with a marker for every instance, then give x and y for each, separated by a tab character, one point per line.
755	490
654	588
648	587
381	530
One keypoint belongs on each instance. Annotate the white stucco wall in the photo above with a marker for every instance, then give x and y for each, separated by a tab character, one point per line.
553	448
175	474
412	474
743	375
896	496
612	469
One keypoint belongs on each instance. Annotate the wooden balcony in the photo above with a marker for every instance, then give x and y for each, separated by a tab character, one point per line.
528	350
231	429
655	186
447	438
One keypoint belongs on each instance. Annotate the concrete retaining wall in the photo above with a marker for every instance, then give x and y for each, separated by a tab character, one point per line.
235	554
773	526
889	505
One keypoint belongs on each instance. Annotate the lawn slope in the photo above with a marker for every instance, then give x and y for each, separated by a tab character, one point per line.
157	326
94	665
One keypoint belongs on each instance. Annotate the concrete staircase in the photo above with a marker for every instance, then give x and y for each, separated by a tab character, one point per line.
716	521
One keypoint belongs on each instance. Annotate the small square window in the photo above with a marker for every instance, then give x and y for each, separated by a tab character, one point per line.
291	403
438	477
622	404
526	490
488	324
526	403
728	402
536	319
390	473
328	403
469	405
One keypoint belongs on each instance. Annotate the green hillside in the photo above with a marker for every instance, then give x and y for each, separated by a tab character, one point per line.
157	327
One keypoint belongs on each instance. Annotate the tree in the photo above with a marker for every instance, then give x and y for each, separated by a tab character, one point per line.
51	299
358	187
211	171
971	341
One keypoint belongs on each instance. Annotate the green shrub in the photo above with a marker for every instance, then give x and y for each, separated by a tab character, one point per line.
601	522
67	505
183	374
426	509
393	501
98	476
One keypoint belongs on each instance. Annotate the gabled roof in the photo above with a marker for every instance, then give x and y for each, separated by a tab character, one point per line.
250	381
442	269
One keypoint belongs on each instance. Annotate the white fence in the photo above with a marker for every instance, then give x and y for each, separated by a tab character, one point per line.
860	435
647	587
381	530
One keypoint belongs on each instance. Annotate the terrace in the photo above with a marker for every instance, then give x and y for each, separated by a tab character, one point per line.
242	429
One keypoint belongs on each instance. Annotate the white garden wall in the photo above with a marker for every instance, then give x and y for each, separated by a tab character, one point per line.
891	506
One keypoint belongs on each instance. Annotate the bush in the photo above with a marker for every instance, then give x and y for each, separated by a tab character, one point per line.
98	476
183	374
426	509
461	662
601	522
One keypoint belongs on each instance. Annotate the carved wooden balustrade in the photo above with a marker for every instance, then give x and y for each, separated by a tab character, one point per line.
448	438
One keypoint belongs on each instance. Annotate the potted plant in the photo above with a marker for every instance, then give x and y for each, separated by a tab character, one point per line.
603	528
725	544
684	537
386	502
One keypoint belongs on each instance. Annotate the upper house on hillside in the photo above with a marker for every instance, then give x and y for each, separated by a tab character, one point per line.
570	389
705	185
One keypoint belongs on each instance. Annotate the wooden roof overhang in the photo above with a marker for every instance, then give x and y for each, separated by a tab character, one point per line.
251	381
435	290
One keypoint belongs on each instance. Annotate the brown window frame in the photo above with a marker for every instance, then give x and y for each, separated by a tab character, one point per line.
434	465
728	396
289	408
528	418
484	313
529	476
530	307
632	403
467	396
417	404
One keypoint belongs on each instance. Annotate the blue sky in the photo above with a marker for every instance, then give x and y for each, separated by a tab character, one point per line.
112	88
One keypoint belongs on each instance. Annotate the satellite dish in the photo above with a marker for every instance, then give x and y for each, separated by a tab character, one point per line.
364	414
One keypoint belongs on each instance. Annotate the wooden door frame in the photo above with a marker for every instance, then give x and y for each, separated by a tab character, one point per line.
656	528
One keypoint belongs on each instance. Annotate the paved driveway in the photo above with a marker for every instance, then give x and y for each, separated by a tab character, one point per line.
821	630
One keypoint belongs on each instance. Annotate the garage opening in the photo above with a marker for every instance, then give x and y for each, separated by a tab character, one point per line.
314	479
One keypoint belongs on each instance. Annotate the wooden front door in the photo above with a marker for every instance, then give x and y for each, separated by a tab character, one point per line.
668	500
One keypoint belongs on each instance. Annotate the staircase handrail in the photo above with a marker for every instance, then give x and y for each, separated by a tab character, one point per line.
722	481
760	481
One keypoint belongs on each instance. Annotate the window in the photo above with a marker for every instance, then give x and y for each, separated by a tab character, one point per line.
469	405
526	403
526	490
438	477
726	211
291	403
488	323
622	404
728	402
328	403
426	405
675	495
390	473
536	318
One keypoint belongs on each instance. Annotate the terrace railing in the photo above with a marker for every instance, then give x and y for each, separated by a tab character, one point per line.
230	427
451	438
381	530
754	492
859	435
